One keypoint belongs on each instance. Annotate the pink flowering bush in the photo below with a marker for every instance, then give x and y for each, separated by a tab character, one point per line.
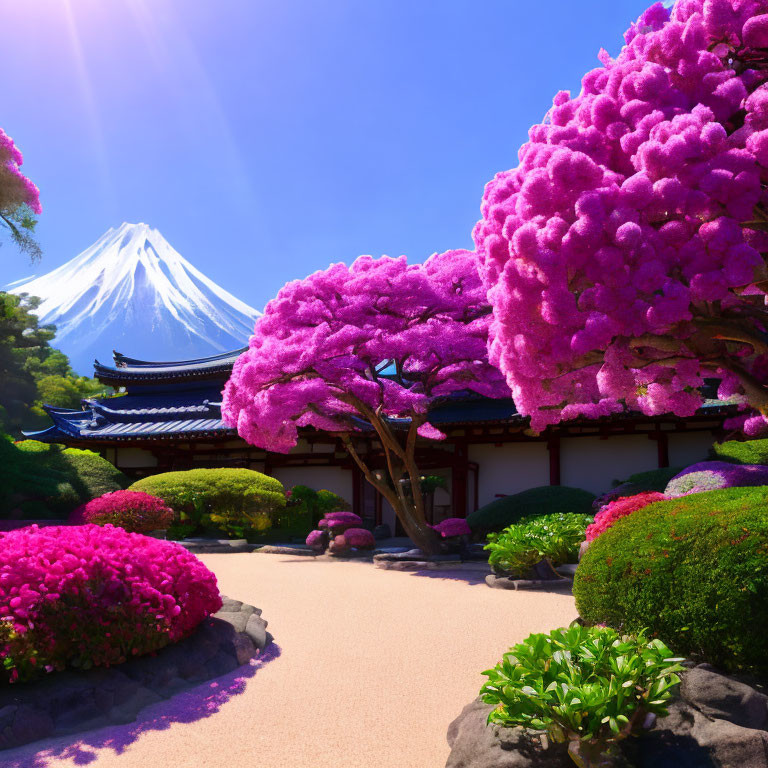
711	475
338	522
318	540
619	508
91	595
359	538
135	511
624	255
453	526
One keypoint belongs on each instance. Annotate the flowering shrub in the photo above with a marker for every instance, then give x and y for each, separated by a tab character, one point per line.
692	570
339	532
360	538
711	475
338	522
453	526
318	540
588	686
619	508
91	595
625	254
641	482
134	511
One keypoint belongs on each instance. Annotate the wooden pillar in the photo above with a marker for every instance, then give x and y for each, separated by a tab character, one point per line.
459	482
662	447
357	491
553	446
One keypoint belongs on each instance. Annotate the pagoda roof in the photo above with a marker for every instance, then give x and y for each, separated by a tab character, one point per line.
129	370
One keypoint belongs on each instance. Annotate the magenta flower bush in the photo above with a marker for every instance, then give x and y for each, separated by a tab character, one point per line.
453	526
359	538
135	511
624	255
91	595
619	508
338	522
318	540
711	475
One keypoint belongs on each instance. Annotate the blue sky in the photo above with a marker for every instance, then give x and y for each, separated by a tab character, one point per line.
266	140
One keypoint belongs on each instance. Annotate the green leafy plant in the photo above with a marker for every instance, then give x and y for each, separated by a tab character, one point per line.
534	502
240	503
554	538
587	686
692	569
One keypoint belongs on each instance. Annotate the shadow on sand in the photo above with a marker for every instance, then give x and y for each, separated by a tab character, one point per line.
186	707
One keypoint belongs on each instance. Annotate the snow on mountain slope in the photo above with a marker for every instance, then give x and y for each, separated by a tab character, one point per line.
131	291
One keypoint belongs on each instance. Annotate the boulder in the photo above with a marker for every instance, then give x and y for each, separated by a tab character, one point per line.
718	721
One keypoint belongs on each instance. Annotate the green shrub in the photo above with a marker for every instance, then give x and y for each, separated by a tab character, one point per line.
747	452
518	548
237	502
45	480
544	500
693	569
653	480
584	685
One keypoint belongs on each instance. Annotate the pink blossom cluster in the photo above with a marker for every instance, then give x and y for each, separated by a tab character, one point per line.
15	188
94	595
619	508
623	255
452	526
135	511
711	475
380	335
338	532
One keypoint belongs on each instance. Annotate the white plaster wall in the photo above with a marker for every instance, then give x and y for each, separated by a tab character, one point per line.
510	468
333	479
129	457
593	464
686	448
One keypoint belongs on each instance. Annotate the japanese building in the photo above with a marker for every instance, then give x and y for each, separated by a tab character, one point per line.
169	418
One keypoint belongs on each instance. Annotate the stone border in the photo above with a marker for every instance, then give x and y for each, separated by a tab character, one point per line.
507	582
74	701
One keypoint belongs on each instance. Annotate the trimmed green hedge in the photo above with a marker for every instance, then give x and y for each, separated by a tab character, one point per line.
747	452
534	502
42	480
653	480
694	570
238	502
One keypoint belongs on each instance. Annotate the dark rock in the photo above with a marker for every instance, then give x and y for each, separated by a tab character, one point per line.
31	724
382	531
507	582
272	550
245	648
720	696
715	723
474	744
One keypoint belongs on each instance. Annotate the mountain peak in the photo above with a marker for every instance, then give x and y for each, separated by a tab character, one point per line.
132	290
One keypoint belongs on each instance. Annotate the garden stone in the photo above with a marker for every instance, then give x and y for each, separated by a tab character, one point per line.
237	620
713	724
31	725
228	605
273	550
477	745
719	696
256	630
382	531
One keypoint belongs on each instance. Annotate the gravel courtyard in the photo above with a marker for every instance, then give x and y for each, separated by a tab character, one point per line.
372	667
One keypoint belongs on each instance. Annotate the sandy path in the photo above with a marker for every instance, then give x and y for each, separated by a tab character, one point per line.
373	666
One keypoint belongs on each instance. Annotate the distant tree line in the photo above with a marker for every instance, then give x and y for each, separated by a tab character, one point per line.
32	372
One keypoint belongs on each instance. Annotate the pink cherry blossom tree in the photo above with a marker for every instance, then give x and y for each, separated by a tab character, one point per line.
625	254
367	349
19	198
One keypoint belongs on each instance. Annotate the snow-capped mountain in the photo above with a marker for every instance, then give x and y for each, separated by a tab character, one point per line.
131	291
